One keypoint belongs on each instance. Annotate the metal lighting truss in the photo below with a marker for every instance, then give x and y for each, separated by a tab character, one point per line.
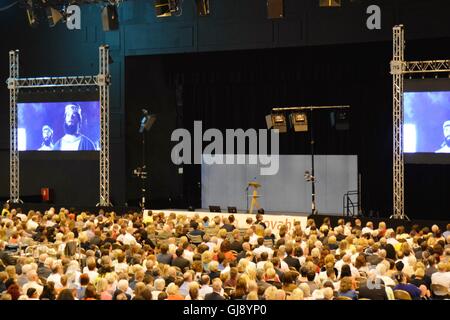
13	148
102	80
400	67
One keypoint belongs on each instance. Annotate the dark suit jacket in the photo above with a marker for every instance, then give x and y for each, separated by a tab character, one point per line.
214	296
372	294
292	262
44	272
228	227
164	258
7	259
181	263
241	255
374	259
197	232
236	246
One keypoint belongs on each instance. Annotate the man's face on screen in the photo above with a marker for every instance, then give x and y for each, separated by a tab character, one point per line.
447	134
72	119
46	134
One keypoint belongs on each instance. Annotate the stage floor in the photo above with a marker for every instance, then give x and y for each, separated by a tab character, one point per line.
273	220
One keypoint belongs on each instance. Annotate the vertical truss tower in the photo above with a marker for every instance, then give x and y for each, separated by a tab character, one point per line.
400	67
102	81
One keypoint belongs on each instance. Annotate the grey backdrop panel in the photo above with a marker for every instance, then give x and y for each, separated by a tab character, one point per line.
287	191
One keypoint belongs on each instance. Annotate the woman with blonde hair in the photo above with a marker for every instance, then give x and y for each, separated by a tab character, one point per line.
221	236
213	268
207	257
194	293
242	265
346	288
297	294
270	293
250	270
252	296
102	289
173	292
306	291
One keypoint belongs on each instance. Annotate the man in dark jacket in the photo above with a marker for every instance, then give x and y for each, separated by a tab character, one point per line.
5	257
290	260
179	261
217	291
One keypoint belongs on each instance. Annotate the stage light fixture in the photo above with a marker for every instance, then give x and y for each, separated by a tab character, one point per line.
329	3
277	121
53	16
31	14
299	121
202	7
110	18
275	9
168	8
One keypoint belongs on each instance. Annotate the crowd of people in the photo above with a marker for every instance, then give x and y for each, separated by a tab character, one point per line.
64	255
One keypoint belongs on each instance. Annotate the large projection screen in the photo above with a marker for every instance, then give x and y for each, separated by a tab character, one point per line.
287	191
427	121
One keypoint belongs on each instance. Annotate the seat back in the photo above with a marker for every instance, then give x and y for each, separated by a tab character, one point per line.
196	239
439	290
402	295
343	298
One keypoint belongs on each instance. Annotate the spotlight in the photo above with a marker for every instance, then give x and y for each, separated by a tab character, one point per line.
299	121
202	7
277	121
329	3
53	16
167	8
275	9
31	14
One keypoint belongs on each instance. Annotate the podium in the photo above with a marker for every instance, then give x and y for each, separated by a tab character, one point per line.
254	203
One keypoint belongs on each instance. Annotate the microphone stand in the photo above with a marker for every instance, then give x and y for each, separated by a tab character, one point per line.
143	175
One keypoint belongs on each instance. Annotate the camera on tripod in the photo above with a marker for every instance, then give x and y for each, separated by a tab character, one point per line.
140	173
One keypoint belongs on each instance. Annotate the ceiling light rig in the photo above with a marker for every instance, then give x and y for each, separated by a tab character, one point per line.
55	11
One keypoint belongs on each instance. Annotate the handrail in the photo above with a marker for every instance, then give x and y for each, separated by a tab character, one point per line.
349	205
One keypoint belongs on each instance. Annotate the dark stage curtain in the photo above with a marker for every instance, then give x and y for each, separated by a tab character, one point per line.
237	89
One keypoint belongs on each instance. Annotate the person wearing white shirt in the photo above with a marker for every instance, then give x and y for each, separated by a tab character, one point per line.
55	277
253	237
446	234
391	237
127	238
32	283
32	224
159	287
441	277
205	288
188	254
262	248
368	228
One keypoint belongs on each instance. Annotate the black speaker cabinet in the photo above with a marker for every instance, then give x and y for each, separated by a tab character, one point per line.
110	18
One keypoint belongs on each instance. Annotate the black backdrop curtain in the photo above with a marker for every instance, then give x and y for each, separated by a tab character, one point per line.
237	89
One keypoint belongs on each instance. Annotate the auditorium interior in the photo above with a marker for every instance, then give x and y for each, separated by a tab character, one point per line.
225	150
